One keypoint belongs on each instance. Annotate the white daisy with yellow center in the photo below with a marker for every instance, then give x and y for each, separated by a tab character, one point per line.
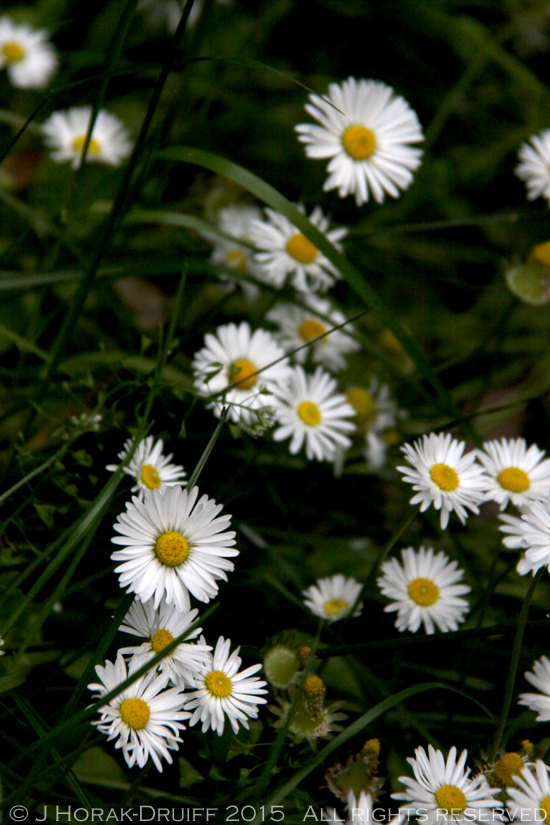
333	597
441	475
28	57
529	797
530	533
515	473
285	252
367	138
221	691
424	590
145	719
229	253
442	791
310	410
150	468
173	545
534	165
65	133
539	678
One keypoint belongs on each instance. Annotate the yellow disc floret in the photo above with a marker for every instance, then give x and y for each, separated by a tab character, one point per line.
450	798
359	142
302	250
509	766
311	329
424	592
160	639
237	260
445	477
514	480
362	402
94	147
334	607
541	253
309	413
150	477
135	713
218	684
544	804
242	373
172	548
13	52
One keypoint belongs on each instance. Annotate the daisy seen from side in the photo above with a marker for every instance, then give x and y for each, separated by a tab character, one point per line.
530	533
173	544
149	467
333	597
65	133
27	55
236	221
529	797
533	167
424	590
367	133
515	473
540	679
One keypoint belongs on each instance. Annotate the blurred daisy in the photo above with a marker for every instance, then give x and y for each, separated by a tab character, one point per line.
529	798
236	221
149	467
309	409
533	167
65	133
530	533
27	55
299	326
168	12
359	810
515	473
144	718
229	362
160	626
223	691
425	591
367	140
286	252
539	678
442	476
442	790
173	545
333	597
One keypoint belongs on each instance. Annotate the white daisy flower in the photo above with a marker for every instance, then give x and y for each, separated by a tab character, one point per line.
425	591
533	168
367	140
223	691
298	326
236	221
442	476
286	252
311	410
144	718
230	360
514	527
539	678
160	626
173	545
28	57
333	597
65	133
530	533
529	800
443	791
149	467
515	473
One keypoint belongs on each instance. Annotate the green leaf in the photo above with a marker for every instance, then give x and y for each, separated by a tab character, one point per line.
96	766
46	512
530	283
188	774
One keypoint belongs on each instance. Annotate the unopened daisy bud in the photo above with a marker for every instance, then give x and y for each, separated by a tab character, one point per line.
506	768
371	748
281	664
530	282
313	691
303	654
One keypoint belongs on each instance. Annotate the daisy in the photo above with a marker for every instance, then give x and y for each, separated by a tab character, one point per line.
228	364
540	678
29	59
173	545
332	598
160	626
442	790
298	326
442	476
533	167
367	139
515	473
223	691
286	252
236	221
168	12
360	810
531	533
425	590
149	467
65	133
529	800
311	410
144	718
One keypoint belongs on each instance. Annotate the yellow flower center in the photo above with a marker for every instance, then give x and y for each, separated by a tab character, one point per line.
242	373
237	260
13	52
135	713
545	806
160	639
514	479
309	413
450	798
445	477
150	477
218	684
302	250
172	548
541	253
359	142
362	402
424	592
313	687
311	329
94	147
507	767
335	606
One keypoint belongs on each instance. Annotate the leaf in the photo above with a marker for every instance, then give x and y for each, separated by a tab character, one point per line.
12	679
46	512
188	774
529	282
94	766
